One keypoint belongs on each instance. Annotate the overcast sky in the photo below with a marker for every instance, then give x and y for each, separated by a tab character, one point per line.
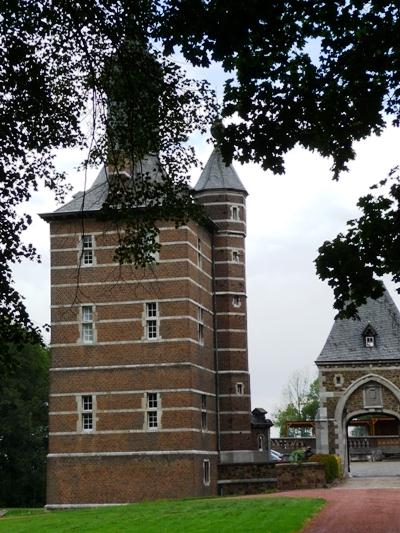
289	309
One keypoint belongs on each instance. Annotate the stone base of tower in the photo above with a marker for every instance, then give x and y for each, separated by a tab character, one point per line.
100	480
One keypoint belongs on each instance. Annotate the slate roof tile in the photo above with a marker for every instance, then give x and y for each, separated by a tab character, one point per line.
345	342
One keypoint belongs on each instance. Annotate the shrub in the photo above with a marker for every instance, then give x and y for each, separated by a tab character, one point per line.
331	464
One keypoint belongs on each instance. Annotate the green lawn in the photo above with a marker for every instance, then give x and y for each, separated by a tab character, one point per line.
270	515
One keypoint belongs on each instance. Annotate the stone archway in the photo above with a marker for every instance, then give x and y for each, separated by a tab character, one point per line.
343	414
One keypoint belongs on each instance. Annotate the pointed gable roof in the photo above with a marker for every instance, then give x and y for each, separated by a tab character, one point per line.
345	342
217	175
93	198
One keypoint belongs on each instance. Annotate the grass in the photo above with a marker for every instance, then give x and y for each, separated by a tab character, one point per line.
269	515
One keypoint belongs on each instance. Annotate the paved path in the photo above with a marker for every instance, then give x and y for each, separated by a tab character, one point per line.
351	509
358	505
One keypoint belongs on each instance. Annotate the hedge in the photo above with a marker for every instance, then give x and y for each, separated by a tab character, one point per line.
331	463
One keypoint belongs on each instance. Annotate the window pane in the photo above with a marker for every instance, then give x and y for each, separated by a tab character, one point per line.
87	241
87	421
87	257
152	421
203	401
152	400
87	403
87	331
206	472
151	310
87	313
151	329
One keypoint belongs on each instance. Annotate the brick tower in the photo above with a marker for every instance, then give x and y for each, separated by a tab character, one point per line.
149	384
223	195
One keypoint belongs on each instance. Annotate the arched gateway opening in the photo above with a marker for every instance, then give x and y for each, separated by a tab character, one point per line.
372	441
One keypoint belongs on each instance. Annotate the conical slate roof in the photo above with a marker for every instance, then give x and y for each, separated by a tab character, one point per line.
346	341
94	198
217	175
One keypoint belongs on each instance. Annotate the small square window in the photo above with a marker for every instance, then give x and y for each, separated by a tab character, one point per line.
369	341
236	301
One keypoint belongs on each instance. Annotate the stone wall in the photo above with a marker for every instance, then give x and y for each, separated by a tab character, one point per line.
250	478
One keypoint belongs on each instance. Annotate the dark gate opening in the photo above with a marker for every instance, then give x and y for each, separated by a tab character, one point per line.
373	438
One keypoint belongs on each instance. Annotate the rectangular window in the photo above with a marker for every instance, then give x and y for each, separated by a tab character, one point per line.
151	320
235	256
152	404
203	412
87	403
235	212
87	413
369	342
152	419
200	325
203	401
199	254
206	472
239	389
87	324
87	249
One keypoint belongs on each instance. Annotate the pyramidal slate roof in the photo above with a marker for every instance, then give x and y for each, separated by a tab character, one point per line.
346	343
94	198
217	175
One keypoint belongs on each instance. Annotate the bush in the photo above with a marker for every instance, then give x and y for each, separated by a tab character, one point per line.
331	464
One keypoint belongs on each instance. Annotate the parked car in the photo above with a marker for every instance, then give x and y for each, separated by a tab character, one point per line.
275	456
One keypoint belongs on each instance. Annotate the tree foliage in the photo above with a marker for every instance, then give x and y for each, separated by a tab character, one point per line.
301	404
321	76
369	248
23	428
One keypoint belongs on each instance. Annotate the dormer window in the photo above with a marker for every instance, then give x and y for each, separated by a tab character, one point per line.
369	342
369	335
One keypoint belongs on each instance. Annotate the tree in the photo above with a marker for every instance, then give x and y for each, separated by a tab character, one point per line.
370	248
301	404
300	75
23	428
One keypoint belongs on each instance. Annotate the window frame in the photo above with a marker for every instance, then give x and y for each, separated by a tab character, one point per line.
87	413
200	325
151	321
206	472
152	411
239	388
87	324
87	250
235	213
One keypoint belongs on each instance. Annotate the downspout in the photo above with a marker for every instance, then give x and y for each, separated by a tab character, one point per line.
216	359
